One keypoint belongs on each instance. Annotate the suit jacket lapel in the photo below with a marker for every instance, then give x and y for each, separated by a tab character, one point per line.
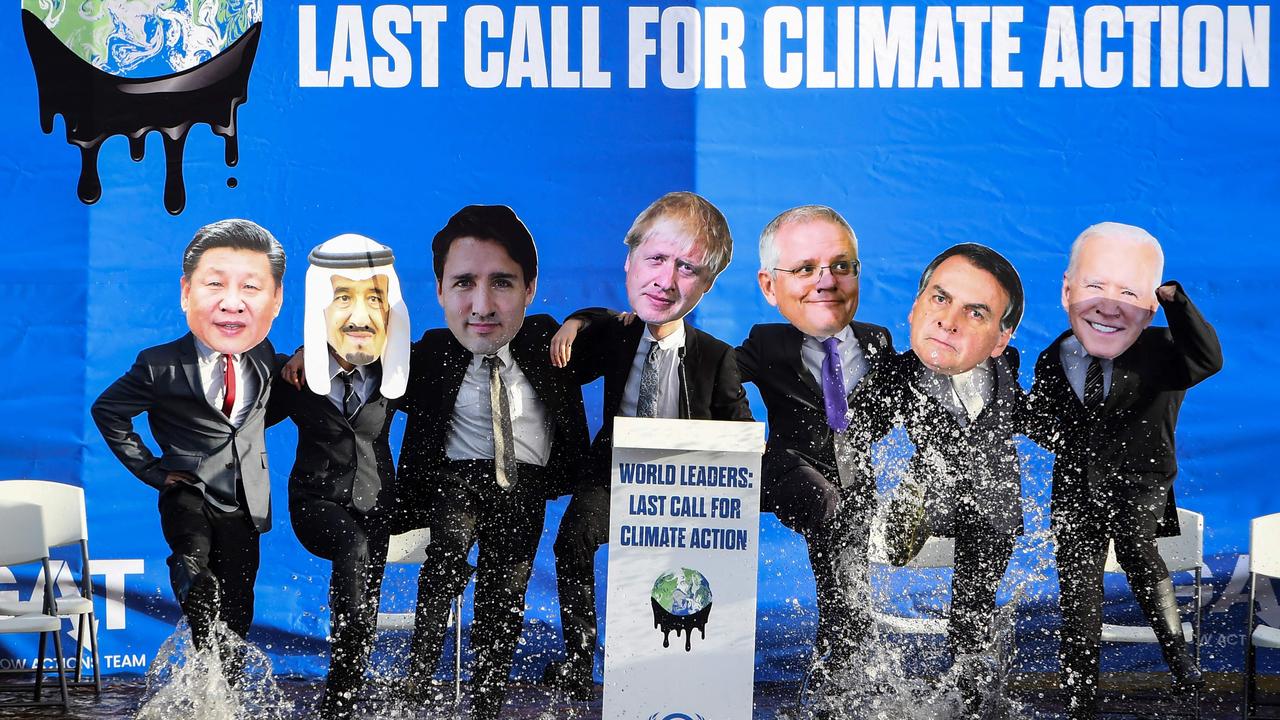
535	369
1123	383
190	364
692	362
794	342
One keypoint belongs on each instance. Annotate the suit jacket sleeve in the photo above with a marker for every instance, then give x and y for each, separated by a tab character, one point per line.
1040	420
589	359
748	356
114	411
283	395
1195	343
728	399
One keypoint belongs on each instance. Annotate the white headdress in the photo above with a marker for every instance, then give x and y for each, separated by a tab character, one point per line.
358	258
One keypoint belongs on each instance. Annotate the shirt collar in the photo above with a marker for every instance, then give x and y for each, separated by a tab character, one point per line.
844	336
335	369
503	353
207	354
671	341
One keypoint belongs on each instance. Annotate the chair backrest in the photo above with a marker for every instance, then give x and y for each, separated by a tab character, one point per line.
22	536
64	517
1264	545
409	547
937	552
1182	552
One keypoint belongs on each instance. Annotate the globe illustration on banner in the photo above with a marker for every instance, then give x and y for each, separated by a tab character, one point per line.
682	592
681	602
134	39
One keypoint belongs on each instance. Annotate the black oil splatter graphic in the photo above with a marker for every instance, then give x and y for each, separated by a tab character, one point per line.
669	622
96	105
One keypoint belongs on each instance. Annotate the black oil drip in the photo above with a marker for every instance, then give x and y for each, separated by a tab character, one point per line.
96	105
669	622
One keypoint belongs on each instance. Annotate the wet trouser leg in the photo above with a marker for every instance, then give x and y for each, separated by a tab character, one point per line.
584	528
357	546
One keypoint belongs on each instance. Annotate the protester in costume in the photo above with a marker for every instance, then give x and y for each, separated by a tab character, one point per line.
956	394
493	431
661	367
356	348
1105	399
205	395
807	370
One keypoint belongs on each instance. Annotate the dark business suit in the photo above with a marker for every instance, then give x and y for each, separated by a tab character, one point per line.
1113	480
212	525
339	490
969	472
461	502
801	481
709	390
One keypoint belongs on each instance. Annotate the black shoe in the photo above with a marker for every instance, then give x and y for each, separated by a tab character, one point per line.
570	680
1187	677
428	691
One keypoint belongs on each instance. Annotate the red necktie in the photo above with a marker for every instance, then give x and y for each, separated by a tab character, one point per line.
228	384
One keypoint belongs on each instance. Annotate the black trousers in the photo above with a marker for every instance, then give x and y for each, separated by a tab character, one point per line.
1081	555
583	529
466	506
203	541
835	529
356	544
982	556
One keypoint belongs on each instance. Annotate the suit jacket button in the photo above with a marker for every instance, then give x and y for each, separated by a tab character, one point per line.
231	466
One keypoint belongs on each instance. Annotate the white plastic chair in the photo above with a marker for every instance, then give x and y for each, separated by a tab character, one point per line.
1183	552
65	524
410	548
22	541
936	553
1264	564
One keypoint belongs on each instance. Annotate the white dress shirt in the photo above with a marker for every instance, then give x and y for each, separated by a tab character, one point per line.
212	369
471	433
853	364
668	374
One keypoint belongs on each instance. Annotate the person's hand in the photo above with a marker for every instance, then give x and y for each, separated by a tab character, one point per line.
626	318
562	342
293	372
1165	292
174	478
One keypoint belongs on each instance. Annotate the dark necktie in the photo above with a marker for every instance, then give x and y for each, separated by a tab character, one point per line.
504	451
350	397
228	384
834	399
647	402
1093	388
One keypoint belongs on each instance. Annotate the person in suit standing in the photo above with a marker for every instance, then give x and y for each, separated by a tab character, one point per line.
356	355
662	367
1105	400
956	394
493	431
205	395
807	369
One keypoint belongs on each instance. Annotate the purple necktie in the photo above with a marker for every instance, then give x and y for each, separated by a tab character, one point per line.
833	396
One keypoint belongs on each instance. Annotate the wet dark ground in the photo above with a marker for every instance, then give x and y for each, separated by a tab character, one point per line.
1128	695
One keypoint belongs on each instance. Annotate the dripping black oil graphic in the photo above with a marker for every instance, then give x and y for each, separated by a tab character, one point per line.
96	105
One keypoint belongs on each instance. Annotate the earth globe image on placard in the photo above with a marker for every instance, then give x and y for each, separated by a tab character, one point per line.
681	602
132	67
146	38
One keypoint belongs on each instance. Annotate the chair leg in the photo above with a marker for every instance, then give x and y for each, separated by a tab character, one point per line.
40	665
93	641
457	651
79	647
62	669
1250	656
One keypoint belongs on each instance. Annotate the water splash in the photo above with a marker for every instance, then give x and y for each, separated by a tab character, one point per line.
186	682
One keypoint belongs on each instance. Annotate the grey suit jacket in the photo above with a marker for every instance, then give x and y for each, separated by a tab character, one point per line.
194	438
